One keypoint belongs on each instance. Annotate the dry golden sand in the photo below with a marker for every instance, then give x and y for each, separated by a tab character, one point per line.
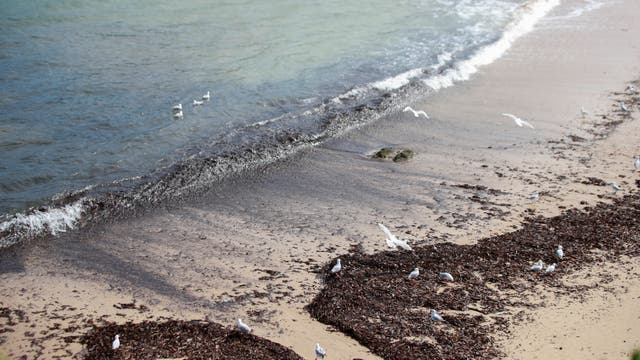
208	259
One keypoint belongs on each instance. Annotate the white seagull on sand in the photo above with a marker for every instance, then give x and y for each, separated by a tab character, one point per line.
177	107
435	316
615	186
519	121
337	267
243	327
631	89
320	353
178	114
116	343
636	162
206	96
623	106
537	266
445	276
392	241
197	103
533	196
559	252
416	113
551	268
414	274
583	112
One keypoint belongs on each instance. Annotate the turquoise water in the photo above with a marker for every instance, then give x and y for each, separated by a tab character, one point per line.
86	87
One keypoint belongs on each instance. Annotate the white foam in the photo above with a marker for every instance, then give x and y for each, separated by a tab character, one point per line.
530	14
52	220
397	81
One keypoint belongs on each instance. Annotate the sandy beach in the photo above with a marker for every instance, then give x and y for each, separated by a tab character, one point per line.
254	248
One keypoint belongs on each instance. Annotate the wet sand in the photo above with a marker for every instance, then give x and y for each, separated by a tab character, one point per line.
252	247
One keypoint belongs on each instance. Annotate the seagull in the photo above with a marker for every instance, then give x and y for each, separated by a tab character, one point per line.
559	252
583	112
615	186
537	266
631	89
206	96
519	121
243	327
623	107
414	274
178	114
435	316
320	353
533	196
196	102
337	267
551	268
444	276
116	343
416	113
392	241
177	107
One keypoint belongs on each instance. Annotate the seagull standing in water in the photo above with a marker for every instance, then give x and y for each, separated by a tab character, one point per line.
177	107
178	115
414	274
615	186
243	327
416	113
320	353
537	266
445	276
337	267
116	343
197	103
559	252
435	316
206	96
519	121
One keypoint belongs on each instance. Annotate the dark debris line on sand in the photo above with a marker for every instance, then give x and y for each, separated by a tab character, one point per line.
372	301
176	339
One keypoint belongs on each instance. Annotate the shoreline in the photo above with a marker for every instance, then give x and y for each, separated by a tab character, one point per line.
255	253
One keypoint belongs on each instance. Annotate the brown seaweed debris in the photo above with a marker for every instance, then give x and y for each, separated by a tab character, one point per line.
373	302
176	339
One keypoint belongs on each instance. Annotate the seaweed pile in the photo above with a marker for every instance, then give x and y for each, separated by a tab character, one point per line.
372	300
177	339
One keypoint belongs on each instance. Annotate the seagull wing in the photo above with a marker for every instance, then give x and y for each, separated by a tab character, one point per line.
408	108
421	112
403	244
526	123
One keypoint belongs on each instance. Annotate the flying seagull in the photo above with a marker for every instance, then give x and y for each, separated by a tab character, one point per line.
559	252
519	121
445	276
414	274
206	96
116	343
537	266
551	268
416	113
243	327
392	241
177	107
196	102
615	186
320	353
337	267
435	316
